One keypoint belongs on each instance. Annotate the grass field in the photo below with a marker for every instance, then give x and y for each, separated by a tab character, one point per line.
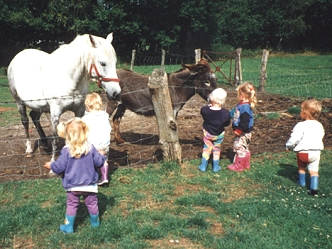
148	208
154	206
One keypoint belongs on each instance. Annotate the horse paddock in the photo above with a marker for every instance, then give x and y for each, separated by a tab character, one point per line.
141	134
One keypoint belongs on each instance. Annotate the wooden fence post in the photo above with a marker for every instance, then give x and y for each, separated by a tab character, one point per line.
168	129
263	76
238	69
197	55
163	55
133	53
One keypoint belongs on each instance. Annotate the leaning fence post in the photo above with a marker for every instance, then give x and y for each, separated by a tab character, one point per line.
263	76
238	69
133	53
167	126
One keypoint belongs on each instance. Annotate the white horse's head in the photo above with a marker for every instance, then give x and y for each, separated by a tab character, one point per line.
103	65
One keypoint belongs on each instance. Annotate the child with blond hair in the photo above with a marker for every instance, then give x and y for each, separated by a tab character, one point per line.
100	129
243	123
307	141
77	163
215	119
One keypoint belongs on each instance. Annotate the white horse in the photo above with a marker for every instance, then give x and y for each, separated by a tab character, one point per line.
57	82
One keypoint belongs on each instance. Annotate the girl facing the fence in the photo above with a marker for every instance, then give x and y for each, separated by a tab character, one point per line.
215	119
77	163
243	123
307	141
99	129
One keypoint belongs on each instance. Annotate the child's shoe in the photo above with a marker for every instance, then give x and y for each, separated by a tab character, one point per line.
314	185
247	160
104	174
68	227
215	166
203	165
94	220
238	164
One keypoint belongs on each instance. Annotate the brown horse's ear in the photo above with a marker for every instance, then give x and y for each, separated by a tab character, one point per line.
204	61
192	68
93	41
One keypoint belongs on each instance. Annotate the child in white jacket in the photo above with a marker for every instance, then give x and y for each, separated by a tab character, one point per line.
99	129
307	141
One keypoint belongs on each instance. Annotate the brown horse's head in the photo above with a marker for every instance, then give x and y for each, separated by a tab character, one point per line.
203	78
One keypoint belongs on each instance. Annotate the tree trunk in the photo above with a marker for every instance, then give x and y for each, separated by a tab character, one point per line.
168	129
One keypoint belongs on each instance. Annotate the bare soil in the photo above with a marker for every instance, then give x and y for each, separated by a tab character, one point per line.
270	134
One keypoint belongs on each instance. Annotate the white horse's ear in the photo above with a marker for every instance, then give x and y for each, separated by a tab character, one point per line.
93	41
110	38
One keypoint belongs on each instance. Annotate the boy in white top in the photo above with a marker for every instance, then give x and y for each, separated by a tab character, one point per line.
99	129
307	141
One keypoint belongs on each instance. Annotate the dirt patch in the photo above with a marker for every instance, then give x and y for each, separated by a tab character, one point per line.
141	134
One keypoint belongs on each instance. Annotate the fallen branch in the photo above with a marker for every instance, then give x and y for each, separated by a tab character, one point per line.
265	114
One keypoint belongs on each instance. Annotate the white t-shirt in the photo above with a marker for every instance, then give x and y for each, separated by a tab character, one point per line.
99	128
306	135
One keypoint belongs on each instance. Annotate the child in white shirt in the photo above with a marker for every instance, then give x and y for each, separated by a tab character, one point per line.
307	141
99	129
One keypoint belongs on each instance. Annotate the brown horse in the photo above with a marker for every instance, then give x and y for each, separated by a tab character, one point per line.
183	84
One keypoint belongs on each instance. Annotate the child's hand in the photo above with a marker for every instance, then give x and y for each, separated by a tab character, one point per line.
47	165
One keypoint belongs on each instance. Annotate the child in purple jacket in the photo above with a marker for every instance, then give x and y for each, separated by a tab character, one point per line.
78	162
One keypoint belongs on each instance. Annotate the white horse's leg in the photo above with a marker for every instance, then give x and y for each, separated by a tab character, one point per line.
25	123
55	121
79	112
35	116
55	114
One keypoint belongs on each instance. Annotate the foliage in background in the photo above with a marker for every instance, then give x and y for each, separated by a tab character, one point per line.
176	26
147	208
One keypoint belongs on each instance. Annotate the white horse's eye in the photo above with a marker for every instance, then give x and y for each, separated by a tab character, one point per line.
103	64
207	84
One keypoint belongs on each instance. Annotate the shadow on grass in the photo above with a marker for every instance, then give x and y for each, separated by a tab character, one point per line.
104	203
288	171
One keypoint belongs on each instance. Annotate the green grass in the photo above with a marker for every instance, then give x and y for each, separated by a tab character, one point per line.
298	76
146	208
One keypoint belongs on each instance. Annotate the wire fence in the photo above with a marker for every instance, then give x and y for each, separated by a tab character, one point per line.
282	92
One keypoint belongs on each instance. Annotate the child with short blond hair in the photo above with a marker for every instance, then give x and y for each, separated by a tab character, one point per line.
215	119
243	123
77	163
307	141
100	129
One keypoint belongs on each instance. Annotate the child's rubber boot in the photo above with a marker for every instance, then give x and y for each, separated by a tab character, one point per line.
238	164
68	227
104	175
94	220
247	160
301	180
203	165
314	185
215	166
